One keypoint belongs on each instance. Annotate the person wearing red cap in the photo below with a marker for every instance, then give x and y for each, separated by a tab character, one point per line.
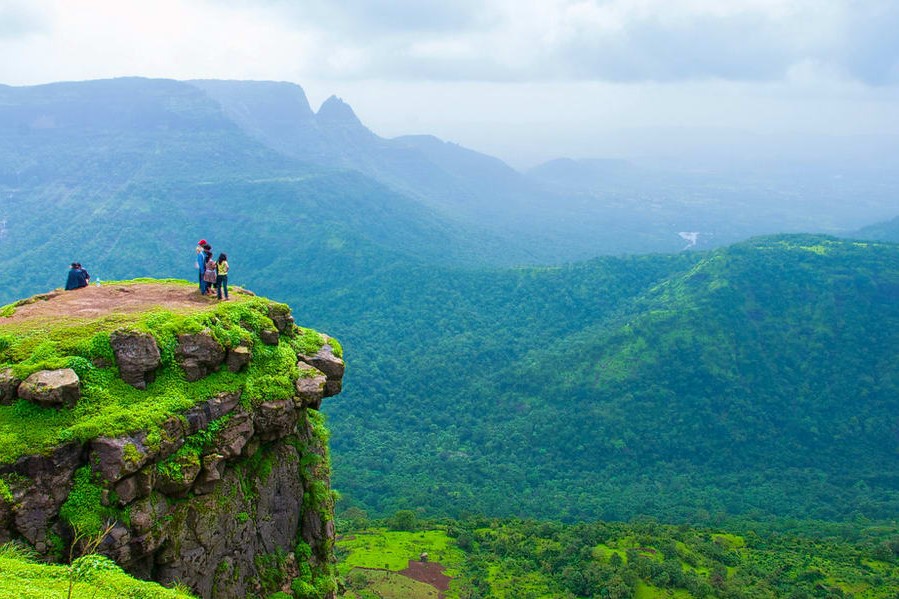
201	264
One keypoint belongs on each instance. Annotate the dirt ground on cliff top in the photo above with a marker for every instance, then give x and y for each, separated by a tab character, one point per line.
99	301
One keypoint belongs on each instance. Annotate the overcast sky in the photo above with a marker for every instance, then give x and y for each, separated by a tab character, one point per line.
525	80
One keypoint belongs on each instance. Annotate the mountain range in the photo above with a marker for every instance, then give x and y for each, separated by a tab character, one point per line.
491	368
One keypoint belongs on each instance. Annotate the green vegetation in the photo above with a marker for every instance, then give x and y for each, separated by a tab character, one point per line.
84	509
375	548
108	405
95	577
643	559
757	380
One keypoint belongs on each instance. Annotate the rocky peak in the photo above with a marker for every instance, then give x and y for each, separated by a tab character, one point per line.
335	111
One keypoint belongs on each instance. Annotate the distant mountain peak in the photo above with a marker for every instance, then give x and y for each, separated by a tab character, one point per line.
335	110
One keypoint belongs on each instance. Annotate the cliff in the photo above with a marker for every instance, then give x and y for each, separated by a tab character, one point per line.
179	434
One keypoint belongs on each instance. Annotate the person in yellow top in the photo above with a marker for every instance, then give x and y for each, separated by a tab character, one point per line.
221	279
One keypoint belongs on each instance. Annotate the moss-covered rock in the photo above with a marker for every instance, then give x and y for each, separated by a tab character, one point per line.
175	458
51	388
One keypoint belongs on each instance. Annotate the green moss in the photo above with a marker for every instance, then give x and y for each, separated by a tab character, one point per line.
307	342
5	493
96	577
84	509
272	570
189	453
109	406
131	454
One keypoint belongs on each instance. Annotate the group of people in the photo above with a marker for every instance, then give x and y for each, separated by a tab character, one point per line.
212	273
78	277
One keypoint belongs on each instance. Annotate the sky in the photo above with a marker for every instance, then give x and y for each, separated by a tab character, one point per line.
525	80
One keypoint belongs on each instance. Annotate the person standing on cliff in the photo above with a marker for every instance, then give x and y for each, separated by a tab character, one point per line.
221	281
211	273
201	265
204	252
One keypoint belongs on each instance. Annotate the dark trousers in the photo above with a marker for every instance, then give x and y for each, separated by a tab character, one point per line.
203	283
221	282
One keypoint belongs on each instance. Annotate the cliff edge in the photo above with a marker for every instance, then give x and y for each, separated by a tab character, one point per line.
179	434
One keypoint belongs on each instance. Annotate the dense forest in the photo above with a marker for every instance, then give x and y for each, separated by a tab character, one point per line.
758	379
527	559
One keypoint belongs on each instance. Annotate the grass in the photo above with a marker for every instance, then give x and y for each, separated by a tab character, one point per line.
371	559
388	585
392	550
22	577
647	591
108	405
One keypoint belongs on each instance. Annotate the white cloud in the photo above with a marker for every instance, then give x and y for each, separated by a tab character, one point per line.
538	74
499	40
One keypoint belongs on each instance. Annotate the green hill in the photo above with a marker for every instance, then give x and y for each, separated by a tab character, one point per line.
126	175
760	379
885	231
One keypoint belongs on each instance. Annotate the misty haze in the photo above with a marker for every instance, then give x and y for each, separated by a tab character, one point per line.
449	299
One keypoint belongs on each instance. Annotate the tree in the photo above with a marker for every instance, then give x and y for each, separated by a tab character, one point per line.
403	520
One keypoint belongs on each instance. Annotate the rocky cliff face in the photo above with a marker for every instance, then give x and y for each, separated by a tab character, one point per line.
229	495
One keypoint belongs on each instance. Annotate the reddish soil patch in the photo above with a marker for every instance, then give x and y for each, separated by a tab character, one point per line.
94	301
428	572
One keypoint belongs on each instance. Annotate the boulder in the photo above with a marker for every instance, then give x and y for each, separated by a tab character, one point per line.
42	485
137	356
117	457
310	387
8	386
199	416
275	419
199	355
133	487
175	477
213	469
5	519
52	388
117	543
332	367
281	318
148	513
238	357
230	440
269	337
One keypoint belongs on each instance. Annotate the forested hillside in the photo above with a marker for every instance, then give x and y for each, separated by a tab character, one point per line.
886	231
760	379
126	175
642	559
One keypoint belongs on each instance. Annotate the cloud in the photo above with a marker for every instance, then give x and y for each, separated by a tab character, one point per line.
600	40
628	41
367	20
20	19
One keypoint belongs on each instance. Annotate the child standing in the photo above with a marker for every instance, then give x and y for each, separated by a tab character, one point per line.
221	280
210	274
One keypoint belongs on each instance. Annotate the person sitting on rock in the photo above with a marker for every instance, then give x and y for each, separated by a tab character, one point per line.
77	277
87	275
